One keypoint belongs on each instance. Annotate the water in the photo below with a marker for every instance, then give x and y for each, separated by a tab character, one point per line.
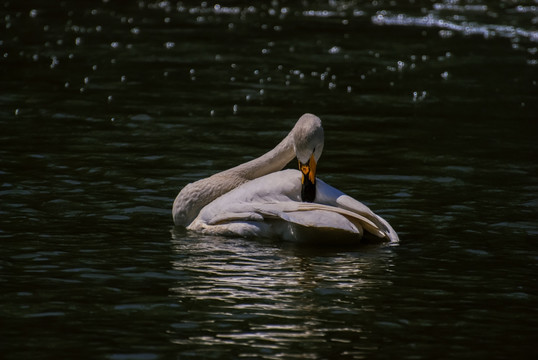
107	109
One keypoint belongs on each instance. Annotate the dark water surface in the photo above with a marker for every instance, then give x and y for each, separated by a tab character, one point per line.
107	108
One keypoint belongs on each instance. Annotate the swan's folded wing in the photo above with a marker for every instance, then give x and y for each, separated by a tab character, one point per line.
310	216
305	214
235	216
351	216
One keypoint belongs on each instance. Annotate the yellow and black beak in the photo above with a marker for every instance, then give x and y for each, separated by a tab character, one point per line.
308	181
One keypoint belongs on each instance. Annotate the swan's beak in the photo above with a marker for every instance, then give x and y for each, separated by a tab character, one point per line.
308	180
309	170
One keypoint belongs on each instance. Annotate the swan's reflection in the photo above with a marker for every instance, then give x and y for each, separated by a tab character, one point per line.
239	291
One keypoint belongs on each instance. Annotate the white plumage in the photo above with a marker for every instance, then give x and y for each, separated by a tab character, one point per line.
256	200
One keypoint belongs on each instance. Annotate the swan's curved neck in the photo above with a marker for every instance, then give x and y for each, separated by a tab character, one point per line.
269	162
193	197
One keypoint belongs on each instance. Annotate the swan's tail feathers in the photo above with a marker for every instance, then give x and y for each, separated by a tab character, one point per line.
385	230
390	233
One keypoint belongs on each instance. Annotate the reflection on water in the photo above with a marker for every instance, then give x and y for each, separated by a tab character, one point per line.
245	293
108	108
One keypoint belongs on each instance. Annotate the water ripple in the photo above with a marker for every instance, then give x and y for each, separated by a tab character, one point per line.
462	27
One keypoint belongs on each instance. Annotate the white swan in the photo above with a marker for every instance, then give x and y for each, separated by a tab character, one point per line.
256	199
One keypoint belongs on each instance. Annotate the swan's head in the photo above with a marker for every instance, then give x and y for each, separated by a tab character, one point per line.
308	142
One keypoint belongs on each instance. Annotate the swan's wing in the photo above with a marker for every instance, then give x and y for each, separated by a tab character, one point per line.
305	209
293	221
313	219
229	216
310	215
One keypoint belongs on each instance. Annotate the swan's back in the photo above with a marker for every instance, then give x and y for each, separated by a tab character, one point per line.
271	207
